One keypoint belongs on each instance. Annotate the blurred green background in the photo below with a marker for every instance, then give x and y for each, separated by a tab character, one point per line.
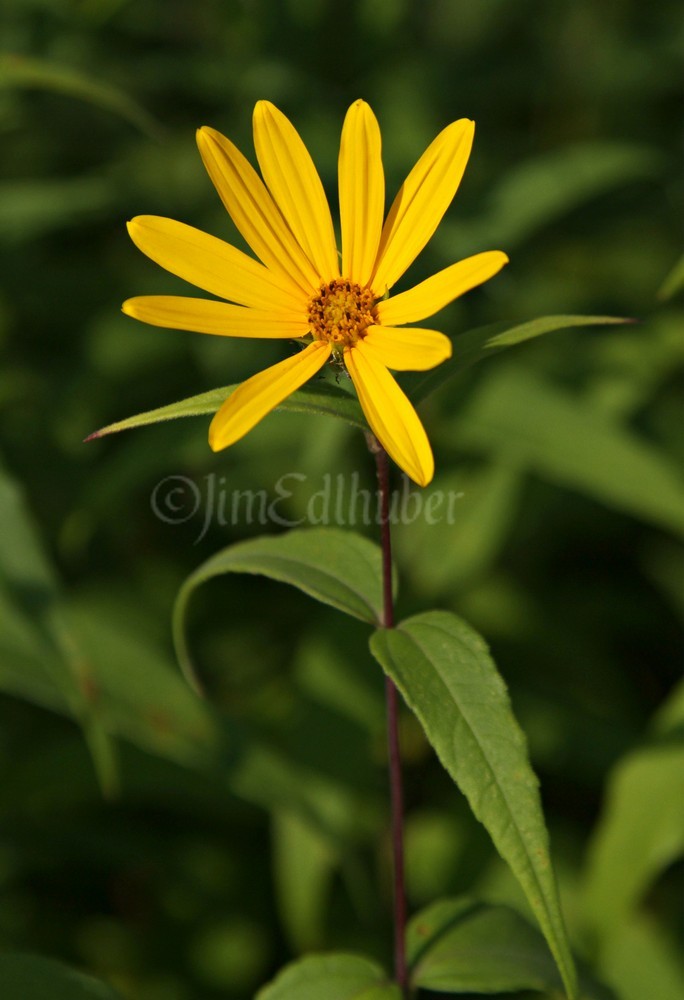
238	835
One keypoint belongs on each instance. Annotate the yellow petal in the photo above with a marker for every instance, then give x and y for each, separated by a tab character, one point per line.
253	210
407	349
362	192
213	265
434	293
391	416
296	187
423	199
260	394
177	312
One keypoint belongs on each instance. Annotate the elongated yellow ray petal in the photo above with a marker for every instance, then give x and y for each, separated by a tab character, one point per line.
407	349
362	192
431	295
260	394
391	416
253	210
213	265
421	202
177	312
296	187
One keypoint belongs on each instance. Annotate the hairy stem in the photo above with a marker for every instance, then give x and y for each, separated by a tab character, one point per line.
392	702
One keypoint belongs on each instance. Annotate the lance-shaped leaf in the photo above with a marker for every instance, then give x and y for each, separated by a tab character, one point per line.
38	649
324	398
331	977
335	567
318	399
303	867
446	676
641	830
564	438
20	71
485	341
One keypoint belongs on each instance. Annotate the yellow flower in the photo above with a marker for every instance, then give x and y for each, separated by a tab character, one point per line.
301	289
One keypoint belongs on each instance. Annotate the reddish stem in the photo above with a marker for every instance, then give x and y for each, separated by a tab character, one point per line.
392	702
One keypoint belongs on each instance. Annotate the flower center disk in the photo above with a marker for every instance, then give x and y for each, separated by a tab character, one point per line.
341	313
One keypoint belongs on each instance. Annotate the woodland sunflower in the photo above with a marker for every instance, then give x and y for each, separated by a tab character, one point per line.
337	305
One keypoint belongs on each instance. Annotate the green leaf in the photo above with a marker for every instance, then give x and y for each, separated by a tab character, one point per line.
193	406
319	398
304	864
336	567
641	832
29	209
31	977
480	507
140	697
641	960
333	977
483	341
673	283
324	398
547	187
543	189
669	719
324	672
447	678
88	663
465	945
38	649
567	440
26	72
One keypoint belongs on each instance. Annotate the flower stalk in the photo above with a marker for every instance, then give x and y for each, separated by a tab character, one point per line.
393	747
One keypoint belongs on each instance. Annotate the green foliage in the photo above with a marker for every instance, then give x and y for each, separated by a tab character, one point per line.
337	977
40	658
32	210
540	191
237	831
639	961
304	864
446	677
79	673
483	342
29	977
463	945
639	835
336	567
550	432
674	281
319	400
22	72
325	399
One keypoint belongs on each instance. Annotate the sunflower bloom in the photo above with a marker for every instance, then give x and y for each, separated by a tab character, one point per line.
301	289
